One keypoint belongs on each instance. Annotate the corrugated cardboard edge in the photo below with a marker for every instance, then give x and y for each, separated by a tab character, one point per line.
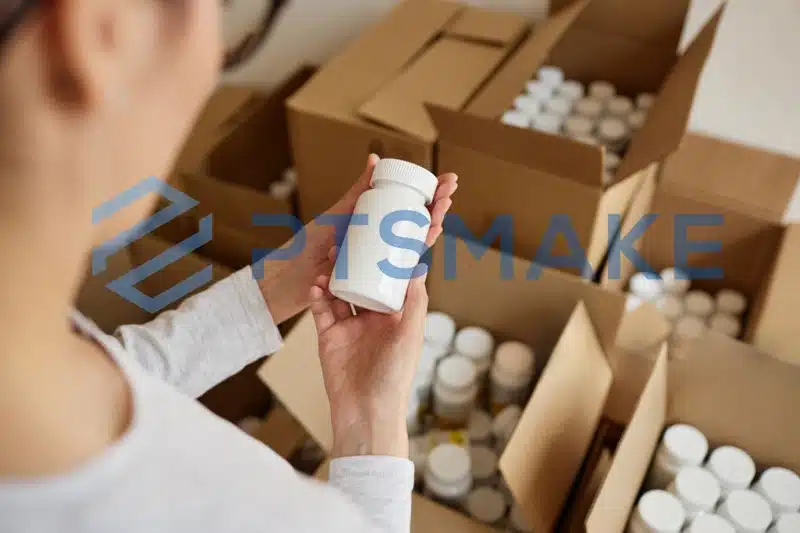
617	496
488	26
547	450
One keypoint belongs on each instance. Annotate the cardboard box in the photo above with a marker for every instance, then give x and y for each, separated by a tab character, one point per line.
535	176
759	255
570	324
370	98
730	391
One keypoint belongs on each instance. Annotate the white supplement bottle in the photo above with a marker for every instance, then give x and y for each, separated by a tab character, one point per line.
398	188
517	521
620	107
682	445
781	488
528	105
538	90
658	511
479	428
710	523
699	303
486	505
746	511
578	126
516	118
504	425
476	344
440	330
448	474
511	375
689	327
571	90
558	105
786	523
590	108
675	281
632	303
613	133
636	119
731	302
548	123
602	90
551	76
646	286
455	392
733	467
484	466
250	425
726	324
671	307
697	489
586	139
645	101
611	162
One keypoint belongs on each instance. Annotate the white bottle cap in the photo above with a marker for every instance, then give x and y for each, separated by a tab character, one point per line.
449	471
505	423
590	108
661	512
699	303
408	174
250	425
528	105
645	101
435	353
645	286
611	161
671	307
786	523
612	130
517	520
440	329
697	489
733	467
551	76
538	90
585	139
636	119
632	303
685	445
731	302
725	324
571	90
479	426
484	463
516	118
281	190
602	90
781	488
558	105
577	125
690	327
486	505
476	344
290	176
675	281
710	523
608	178
547	122
456	374
746	511
514	364
620	106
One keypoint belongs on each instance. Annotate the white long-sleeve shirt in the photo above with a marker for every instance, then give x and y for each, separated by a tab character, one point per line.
179	468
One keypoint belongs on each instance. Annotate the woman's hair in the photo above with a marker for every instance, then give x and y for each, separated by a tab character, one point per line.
11	14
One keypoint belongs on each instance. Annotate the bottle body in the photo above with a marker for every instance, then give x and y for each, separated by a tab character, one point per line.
448	478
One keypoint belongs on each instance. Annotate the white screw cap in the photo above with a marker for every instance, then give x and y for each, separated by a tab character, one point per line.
612	130
571	90
551	76
602	90
645	101
746	511
528	105
538	90
731	302
484	463
697	489
671	307
408	174
479	426
558	106
786	523
486	505
725	324
440	329
733	467
699	303
661	511
675	281
636	119
590	108
685	444
516	118
578	125
547	122
781	488
620	106
457	372
645	286
710	523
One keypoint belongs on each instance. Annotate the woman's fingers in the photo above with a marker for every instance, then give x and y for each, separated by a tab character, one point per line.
416	305
321	309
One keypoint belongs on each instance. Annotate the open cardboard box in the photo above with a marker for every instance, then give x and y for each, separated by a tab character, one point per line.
730	391
370	97
535	176
759	255
567	321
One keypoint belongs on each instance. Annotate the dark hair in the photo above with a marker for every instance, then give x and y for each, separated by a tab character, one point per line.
11	14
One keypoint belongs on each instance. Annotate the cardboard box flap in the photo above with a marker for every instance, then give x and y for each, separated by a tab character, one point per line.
484	25
430	517
294	375
509	80
667	120
448	74
618	493
555	432
558	156
655	21
757	181
755	399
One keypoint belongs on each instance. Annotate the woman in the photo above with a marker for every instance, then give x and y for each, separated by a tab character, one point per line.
99	433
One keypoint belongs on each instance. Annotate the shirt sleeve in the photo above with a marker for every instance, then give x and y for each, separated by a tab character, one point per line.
210	337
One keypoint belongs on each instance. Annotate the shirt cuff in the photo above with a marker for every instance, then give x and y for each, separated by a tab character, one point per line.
258	329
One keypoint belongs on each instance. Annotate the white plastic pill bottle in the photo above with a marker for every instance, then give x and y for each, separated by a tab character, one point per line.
682	445
486	505
786	523
367	270
781	488
675	281
479	428
476	344
658	511
484	466
455	392
697	489
440	330
511	375
710	523
746	511
504	425
448	474
733	467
